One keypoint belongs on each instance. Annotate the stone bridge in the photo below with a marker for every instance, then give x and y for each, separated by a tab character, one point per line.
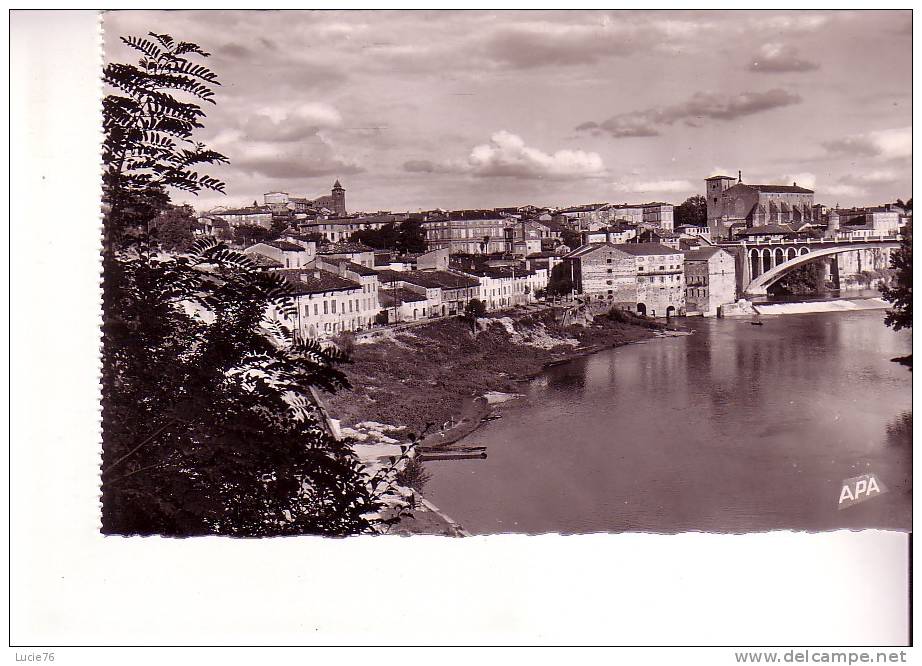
759	265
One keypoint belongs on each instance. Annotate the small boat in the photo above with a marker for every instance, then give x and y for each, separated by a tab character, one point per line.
756	323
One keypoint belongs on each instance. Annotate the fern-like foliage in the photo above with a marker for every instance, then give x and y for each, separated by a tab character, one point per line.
149	121
208	423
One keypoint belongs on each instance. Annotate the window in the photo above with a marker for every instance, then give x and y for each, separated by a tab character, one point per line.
315	308
325	311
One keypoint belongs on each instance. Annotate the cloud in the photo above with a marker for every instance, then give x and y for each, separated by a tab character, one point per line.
537	44
656	186
843	190
699	106
885	144
779	58
803	179
305	120
507	156
876	177
300	159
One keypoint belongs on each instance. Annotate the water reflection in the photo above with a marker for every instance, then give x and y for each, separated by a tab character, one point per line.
735	428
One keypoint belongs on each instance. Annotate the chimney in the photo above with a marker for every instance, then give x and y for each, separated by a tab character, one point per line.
739	178
795	183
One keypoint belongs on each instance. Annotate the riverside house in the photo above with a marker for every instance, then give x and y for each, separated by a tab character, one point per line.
326	304
710	280
647	278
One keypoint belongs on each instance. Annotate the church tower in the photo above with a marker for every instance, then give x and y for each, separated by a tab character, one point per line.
339	199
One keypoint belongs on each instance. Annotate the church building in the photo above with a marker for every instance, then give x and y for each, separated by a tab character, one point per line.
730	201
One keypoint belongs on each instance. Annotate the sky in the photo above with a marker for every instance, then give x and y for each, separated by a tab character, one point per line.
416	110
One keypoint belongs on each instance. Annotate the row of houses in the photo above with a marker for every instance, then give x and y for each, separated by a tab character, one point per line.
340	287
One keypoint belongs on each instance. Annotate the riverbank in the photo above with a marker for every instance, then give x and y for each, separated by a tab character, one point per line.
426	378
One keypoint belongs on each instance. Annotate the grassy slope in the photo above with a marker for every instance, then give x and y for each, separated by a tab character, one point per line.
424	375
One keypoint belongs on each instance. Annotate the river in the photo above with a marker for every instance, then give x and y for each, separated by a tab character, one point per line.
735	428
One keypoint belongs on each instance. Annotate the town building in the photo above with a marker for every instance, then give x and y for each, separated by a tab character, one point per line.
364	276
693	231
731	201
875	221
326	304
286	253
401	304
254	215
355	252
615	234
658	215
710	280
467	232
647	278
664	236
335	202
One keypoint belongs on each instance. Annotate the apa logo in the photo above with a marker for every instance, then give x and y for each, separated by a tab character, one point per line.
860	488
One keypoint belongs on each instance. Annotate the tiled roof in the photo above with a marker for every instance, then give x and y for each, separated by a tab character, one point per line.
314	281
351	265
645	249
586	208
263	260
474	215
702	254
791	189
284	246
401	295
720	177
430	279
347	247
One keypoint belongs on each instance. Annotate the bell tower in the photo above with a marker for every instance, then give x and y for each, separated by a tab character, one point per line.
339	199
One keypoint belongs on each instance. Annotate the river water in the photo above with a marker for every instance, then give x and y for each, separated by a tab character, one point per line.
735	428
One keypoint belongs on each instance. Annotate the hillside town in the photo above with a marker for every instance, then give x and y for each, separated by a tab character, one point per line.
353	272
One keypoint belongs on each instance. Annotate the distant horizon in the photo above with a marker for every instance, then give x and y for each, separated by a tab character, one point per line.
415	110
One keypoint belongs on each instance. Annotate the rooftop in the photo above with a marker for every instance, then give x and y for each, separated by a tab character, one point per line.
645	249
400	295
347	247
788	189
702	254
351	266
284	246
316	281
429	279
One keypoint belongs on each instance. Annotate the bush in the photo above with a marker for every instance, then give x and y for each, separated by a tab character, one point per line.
627	317
414	475
475	308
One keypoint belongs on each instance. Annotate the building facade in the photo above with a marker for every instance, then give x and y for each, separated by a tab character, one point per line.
730	201
647	278
710	280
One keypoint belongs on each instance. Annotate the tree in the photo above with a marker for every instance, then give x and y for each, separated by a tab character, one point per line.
207	427
208	424
173	229
148	144
899	293
411	237
475	308
572	239
250	234
560	283
694	210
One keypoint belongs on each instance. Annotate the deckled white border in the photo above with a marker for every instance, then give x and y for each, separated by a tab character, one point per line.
71	586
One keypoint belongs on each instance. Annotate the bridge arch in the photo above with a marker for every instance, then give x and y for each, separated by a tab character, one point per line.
760	284
791	253
767	260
